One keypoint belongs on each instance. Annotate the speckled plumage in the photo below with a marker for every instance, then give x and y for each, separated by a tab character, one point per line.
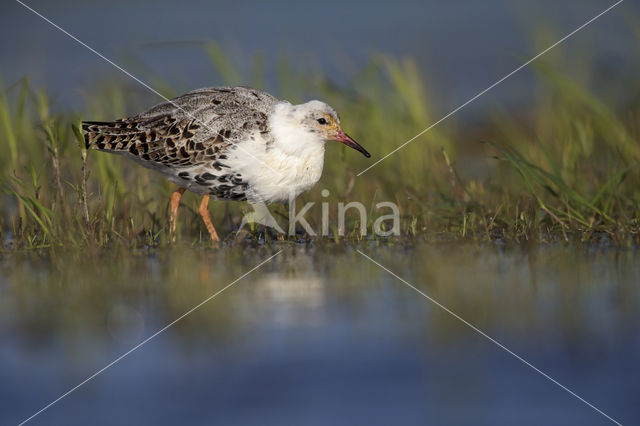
189	138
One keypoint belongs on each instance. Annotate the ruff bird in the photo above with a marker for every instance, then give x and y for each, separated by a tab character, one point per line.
226	143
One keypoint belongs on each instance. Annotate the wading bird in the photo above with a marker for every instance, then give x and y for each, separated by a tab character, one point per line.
226	143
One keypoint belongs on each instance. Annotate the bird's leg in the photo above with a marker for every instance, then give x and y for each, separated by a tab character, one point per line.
175	202
204	212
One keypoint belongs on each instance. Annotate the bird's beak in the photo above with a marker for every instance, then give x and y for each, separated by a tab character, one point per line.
346	139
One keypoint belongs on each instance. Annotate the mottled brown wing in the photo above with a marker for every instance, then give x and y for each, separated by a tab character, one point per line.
168	141
192	129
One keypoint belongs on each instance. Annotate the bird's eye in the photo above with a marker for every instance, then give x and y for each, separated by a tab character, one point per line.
322	121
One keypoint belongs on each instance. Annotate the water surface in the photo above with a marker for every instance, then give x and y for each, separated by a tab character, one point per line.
321	335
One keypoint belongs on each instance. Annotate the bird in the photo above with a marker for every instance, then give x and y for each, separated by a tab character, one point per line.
226	143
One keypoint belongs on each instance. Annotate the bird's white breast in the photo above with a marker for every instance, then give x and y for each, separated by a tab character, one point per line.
283	167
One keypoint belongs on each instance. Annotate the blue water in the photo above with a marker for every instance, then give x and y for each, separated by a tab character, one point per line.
324	336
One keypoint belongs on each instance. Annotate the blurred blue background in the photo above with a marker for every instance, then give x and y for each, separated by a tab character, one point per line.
461	46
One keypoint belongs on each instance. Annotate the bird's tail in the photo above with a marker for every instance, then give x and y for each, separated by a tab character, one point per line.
116	136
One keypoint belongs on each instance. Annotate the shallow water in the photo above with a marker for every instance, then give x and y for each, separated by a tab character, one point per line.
321	335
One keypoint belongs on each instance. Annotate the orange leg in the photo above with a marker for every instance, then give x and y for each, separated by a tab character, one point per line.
175	202
204	212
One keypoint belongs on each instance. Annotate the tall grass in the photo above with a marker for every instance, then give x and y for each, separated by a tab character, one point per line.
565	168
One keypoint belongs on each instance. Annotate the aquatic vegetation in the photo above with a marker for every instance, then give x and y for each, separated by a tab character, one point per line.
565	168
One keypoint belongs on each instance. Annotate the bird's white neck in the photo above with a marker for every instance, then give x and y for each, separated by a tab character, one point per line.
289	136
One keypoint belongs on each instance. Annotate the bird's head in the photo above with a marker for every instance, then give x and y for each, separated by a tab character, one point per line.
321	122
